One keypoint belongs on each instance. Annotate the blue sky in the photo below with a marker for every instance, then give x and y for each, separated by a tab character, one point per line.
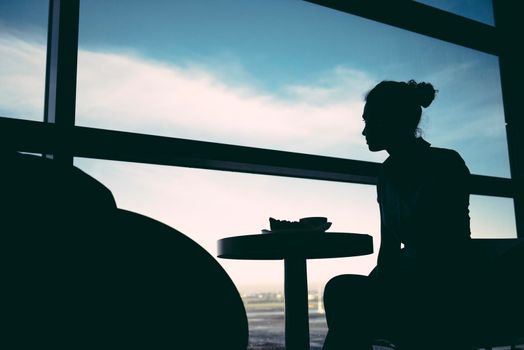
276	74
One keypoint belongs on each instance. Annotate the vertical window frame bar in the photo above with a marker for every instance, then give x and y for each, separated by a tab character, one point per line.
507	23
61	70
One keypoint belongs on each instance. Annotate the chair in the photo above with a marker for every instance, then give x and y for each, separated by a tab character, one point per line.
77	272
498	301
185	297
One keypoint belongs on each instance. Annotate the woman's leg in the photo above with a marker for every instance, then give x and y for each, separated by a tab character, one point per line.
349	307
433	310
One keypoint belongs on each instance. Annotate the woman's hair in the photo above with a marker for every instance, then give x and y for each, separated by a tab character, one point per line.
402	101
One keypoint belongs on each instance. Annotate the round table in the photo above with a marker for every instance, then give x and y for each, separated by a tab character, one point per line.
295	249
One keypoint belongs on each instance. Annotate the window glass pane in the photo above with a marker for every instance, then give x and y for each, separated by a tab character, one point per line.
286	75
479	10
492	217
209	205
23	42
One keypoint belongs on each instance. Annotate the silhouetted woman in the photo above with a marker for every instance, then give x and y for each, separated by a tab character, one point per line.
415	297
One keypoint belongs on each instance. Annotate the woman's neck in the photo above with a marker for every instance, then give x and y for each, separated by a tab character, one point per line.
406	148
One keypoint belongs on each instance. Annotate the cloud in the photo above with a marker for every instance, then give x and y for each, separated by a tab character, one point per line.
124	91
337	85
132	93
22	76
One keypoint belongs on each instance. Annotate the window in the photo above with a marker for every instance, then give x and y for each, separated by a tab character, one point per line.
23	42
492	217
284	75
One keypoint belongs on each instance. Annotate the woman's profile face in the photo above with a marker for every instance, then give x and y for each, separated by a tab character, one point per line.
376	130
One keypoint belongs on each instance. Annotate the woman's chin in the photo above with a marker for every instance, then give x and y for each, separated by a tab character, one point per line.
375	148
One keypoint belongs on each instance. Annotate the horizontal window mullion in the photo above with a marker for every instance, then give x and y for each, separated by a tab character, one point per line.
30	136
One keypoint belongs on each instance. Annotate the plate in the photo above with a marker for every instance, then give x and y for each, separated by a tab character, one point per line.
319	229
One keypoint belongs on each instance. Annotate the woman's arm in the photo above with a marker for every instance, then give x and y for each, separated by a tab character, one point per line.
442	215
389	252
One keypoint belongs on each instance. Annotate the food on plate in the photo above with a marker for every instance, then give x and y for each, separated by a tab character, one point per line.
310	223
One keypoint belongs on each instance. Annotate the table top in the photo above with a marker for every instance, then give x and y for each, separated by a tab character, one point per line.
275	246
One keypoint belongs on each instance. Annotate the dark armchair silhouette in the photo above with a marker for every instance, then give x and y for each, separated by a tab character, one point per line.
77	272
498	304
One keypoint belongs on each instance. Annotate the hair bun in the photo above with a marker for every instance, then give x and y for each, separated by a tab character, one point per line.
425	94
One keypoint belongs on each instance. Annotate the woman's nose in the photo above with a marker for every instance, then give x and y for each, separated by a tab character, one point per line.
364	131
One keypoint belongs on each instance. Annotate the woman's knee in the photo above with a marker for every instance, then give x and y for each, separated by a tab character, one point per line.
343	284
347	304
345	289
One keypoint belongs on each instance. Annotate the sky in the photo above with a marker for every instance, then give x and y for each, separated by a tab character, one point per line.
277	74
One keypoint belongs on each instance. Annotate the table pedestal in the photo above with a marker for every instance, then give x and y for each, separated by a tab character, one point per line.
296	304
295	249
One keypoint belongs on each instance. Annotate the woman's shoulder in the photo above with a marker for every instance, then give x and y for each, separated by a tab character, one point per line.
444	155
446	159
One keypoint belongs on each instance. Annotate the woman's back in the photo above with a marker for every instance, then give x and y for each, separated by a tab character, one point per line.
424	201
